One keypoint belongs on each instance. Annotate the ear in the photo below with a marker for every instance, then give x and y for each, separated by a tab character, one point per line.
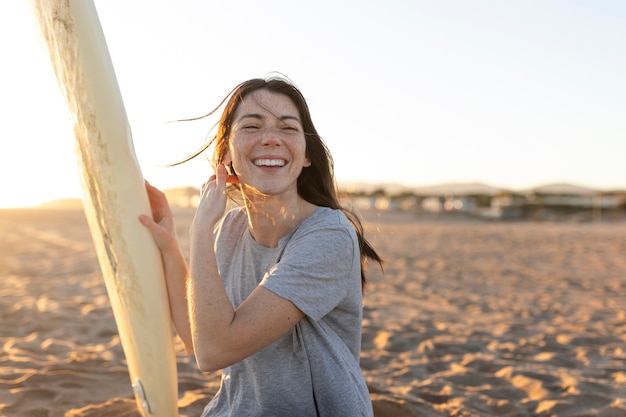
227	159
307	162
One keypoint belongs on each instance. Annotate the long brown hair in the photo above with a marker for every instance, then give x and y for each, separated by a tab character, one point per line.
316	183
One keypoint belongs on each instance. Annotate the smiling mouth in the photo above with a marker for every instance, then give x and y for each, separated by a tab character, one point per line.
269	162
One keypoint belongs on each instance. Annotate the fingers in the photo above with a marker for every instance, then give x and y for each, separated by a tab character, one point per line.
221	175
218	181
149	224
158	203
206	185
163	234
212	202
154	193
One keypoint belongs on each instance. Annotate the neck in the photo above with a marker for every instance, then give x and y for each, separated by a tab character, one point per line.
271	218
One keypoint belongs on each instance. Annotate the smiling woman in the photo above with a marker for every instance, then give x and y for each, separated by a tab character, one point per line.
273	291
267	147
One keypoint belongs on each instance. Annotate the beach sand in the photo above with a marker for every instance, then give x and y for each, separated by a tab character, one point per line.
469	319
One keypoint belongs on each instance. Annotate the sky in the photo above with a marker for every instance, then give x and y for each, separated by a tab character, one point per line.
514	94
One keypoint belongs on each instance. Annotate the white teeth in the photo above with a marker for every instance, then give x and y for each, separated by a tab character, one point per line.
269	162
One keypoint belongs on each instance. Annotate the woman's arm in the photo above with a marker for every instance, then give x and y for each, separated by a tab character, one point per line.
222	335
175	267
203	315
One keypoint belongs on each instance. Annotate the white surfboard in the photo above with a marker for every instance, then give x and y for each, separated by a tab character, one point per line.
114	196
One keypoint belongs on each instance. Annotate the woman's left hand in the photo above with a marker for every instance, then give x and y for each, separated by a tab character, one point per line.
212	204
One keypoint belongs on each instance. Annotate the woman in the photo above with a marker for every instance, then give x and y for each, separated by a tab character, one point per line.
273	291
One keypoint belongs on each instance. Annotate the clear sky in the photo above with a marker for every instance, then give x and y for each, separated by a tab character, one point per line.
511	93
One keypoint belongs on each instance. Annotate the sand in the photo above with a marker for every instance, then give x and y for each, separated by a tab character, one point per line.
469	319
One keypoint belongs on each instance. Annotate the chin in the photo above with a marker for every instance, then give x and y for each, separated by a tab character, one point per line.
271	189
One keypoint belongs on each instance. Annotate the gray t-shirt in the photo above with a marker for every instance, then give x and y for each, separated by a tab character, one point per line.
313	370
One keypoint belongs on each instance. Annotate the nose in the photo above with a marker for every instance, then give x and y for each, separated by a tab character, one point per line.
270	137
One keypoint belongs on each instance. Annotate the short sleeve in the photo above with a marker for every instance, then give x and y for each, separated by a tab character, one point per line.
317	269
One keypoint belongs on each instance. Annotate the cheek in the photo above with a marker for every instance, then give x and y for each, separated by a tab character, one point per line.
307	160
239	163
235	151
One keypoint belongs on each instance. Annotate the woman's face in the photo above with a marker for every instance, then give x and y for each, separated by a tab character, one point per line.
267	145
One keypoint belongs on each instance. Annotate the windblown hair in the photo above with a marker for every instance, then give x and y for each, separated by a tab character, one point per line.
316	183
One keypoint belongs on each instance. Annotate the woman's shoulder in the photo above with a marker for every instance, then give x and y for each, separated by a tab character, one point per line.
326	218
233	219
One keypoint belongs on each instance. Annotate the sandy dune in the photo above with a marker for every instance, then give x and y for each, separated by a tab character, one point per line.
470	319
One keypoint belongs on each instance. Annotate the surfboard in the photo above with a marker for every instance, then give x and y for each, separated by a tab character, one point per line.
114	196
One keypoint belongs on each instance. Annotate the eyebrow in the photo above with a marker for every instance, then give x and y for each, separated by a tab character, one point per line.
260	116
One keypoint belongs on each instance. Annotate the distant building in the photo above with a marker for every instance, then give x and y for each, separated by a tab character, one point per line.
183	197
554	202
